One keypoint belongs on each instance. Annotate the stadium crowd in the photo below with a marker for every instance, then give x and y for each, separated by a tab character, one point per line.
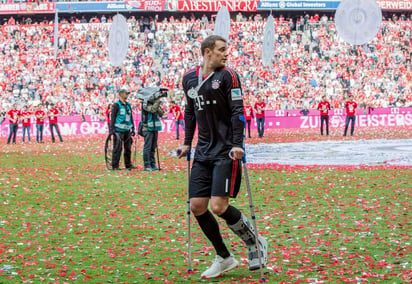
310	60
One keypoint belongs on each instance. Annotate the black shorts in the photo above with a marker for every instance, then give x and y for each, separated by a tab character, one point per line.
215	178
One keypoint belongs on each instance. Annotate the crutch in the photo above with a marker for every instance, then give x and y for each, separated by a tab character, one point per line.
252	213
189	249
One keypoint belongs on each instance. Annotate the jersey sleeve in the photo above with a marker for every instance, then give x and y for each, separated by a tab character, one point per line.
235	102
189	116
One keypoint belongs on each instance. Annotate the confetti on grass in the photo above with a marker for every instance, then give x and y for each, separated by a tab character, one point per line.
64	218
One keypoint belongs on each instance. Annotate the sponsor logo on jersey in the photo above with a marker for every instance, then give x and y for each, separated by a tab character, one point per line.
236	94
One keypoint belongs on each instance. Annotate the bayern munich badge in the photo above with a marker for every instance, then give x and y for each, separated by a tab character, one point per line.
215	85
192	93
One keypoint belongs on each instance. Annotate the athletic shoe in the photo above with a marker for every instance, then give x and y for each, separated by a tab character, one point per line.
151	169
219	266
253	256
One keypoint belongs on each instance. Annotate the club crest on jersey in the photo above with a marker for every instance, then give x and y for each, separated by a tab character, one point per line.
236	94
192	93
215	85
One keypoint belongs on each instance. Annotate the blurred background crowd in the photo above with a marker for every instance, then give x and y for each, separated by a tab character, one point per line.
310	60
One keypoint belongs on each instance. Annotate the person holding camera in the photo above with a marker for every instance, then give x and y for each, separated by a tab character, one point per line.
2	116
122	127
151	125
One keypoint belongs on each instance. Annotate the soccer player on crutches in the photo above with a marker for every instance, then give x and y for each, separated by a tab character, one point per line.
214	104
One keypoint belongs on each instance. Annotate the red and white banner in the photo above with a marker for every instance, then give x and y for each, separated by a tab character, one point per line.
378	117
234	25
148	5
28	8
213	5
395	5
386	117
79	128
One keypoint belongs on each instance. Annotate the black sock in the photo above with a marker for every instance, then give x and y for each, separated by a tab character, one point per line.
210	228
232	215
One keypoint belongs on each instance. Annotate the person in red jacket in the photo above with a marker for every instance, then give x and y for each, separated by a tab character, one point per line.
53	113
13	116
40	115
350	106
108	113
260	116
324	107
178	115
248	111
26	115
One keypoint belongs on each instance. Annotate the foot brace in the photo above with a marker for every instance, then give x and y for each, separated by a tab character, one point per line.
246	232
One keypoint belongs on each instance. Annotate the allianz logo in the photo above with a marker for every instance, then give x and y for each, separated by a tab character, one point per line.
118	6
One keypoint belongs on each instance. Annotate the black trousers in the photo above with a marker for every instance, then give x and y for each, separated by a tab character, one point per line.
350	118
324	119
39	132
122	140
55	126
149	148
12	132
248	122
260	125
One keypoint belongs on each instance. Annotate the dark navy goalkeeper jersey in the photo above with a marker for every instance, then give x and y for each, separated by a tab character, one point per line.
215	104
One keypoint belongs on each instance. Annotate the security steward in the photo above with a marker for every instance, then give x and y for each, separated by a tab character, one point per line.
122	126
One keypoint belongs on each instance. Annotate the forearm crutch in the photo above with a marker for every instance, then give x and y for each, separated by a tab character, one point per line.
189	250
252	213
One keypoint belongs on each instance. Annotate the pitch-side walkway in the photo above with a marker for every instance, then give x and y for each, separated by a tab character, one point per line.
353	152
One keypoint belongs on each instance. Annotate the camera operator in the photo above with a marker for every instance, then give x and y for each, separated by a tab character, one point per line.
2	116
151	112
122	126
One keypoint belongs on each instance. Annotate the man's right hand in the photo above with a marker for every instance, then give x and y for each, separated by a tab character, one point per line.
182	151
